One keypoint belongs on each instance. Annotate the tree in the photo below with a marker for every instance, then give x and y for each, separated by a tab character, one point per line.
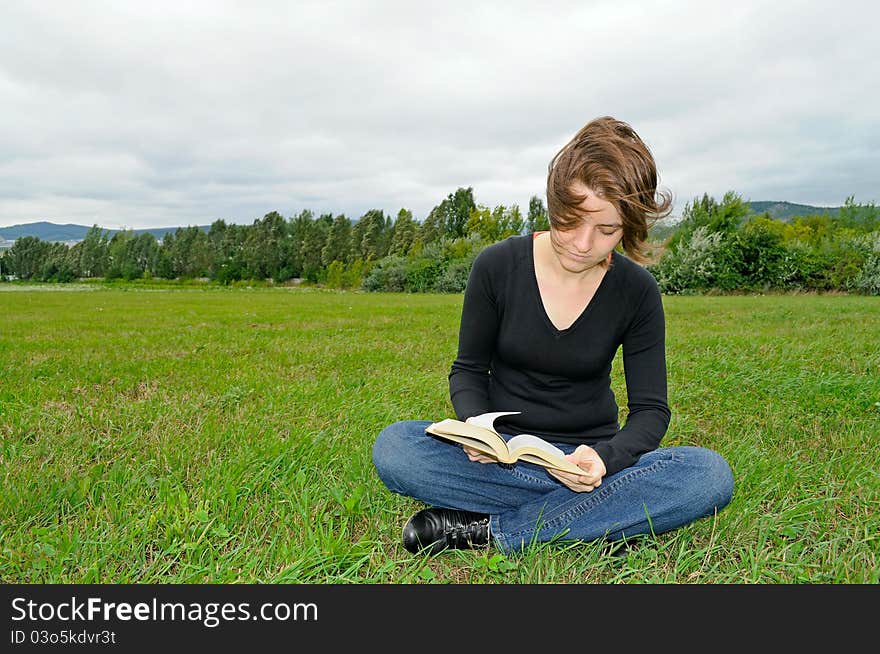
374	244
812	229
131	255
511	220
186	252
335	272
313	242
262	248
432	228
338	246
456	210
298	227
449	218
57	265
538	218
724	217
226	242
404	233
94	253
495	225
481	224
859	217
26	256
354	274
119	264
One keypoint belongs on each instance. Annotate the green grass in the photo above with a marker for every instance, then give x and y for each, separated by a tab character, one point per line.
224	435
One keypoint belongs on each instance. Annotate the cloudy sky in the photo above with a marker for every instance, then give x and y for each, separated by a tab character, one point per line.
154	114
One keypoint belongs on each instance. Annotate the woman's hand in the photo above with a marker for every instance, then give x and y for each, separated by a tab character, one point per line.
476	455
586	458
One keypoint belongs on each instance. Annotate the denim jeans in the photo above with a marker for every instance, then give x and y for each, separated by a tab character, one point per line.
663	490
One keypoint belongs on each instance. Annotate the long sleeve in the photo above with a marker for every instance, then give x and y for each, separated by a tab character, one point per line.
478	331
644	363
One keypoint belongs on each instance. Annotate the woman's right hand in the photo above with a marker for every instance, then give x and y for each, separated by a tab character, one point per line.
476	455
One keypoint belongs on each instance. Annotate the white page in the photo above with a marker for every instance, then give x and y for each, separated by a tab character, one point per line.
487	420
535	441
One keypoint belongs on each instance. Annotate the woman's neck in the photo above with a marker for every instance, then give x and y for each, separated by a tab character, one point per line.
549	263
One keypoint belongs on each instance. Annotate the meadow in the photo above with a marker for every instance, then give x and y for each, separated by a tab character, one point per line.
216	435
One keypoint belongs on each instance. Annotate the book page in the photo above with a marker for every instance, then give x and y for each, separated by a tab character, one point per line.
487	420
526	440
480	438
529	448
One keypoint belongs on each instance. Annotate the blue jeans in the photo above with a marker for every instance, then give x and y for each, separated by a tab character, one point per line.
663	490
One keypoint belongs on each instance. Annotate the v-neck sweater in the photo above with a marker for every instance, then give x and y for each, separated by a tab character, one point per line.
511	357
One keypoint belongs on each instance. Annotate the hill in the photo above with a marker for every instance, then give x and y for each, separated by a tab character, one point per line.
785	211
46	231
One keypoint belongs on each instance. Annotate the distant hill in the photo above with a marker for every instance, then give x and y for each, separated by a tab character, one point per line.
785	211
46	231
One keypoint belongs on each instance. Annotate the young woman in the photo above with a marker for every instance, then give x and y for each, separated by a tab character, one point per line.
542	319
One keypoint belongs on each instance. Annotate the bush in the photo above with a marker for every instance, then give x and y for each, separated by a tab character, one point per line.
843	260
388	274
314	273
285	273
868	278
422	274
334	274
760	255
695	264
341	276
813	253
54	271
454	278
803	267
226	273
353	276
434	269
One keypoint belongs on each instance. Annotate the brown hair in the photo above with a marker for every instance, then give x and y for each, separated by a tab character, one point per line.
610	158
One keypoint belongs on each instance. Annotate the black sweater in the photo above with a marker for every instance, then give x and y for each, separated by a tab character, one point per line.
512	358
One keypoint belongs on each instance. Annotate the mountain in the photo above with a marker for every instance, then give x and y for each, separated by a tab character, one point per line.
46	231
785	211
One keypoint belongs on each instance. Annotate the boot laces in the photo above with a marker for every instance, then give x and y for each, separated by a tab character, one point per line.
476	530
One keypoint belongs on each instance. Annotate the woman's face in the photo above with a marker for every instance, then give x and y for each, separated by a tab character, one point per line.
588	244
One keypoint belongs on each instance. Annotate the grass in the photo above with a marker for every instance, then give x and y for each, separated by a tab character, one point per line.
183	435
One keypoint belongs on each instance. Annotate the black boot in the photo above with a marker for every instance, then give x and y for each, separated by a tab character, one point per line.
442	529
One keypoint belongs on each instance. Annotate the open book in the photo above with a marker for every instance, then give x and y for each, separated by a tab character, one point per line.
479	433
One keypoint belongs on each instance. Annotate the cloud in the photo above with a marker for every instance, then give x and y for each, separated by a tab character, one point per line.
160	114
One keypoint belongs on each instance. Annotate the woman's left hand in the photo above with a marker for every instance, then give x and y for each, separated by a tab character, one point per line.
586	458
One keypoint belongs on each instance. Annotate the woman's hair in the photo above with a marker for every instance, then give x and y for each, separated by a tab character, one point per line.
611	159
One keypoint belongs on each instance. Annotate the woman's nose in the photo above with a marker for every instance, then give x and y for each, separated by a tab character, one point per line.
583	238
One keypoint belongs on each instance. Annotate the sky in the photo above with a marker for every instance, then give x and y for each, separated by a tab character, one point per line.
159	114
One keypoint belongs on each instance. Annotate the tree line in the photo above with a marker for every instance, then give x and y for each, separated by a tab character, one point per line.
718	245
329	249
